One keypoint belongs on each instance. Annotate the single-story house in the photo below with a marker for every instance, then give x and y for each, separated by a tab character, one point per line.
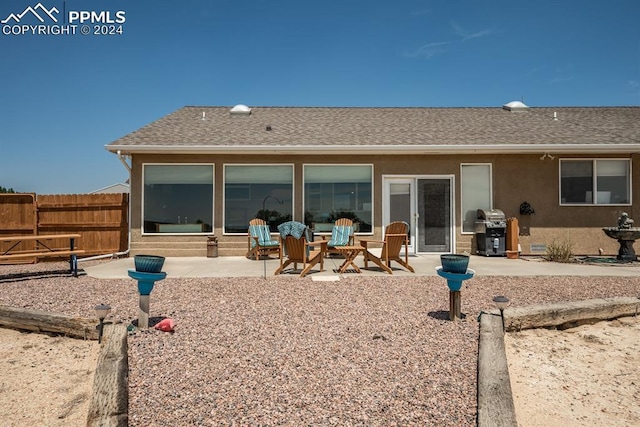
122	187
563	173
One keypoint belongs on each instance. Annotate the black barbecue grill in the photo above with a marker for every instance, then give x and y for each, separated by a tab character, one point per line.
491	227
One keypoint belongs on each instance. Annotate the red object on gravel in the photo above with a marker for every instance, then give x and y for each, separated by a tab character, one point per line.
166	325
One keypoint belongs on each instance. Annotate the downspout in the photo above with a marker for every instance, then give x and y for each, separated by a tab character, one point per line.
126	165
119	254
114	255
128	168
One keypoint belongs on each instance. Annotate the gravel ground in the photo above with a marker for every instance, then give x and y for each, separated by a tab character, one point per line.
291	351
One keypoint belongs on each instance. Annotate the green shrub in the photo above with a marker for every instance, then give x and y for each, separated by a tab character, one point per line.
560	251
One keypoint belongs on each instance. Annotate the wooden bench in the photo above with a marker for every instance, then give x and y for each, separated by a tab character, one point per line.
45	251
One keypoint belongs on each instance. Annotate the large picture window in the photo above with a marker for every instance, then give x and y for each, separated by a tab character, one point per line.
257	191
595	182
475	193
178	198
338	191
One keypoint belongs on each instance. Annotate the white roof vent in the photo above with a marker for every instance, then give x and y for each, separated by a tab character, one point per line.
240	110
515	106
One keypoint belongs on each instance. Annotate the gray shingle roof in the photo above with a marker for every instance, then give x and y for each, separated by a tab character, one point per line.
412	128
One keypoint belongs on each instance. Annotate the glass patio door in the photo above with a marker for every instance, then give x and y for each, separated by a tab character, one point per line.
434	215
401	205
425	204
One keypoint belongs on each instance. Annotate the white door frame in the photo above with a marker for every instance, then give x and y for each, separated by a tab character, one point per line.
387	180
413	180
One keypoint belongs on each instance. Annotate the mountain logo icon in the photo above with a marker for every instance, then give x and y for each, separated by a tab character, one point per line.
34	11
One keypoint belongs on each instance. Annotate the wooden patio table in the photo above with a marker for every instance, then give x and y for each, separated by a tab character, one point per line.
350	253
45	250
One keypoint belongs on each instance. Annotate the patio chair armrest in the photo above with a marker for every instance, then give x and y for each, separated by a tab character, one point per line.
371	240
317	243
321	243
365	242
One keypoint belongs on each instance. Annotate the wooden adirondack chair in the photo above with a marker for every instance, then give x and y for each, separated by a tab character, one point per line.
396	235
341	235
259	240
300	251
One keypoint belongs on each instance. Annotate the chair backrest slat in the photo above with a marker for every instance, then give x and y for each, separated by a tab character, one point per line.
294	247
340	235
395	235
296	250
259	229
344	221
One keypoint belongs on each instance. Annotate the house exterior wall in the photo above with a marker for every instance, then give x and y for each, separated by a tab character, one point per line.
516	178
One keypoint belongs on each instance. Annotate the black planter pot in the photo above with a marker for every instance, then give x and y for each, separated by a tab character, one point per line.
454	263
148	263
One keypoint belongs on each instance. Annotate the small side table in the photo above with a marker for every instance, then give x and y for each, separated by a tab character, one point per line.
350	253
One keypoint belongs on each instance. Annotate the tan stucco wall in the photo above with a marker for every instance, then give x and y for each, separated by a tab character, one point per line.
516	178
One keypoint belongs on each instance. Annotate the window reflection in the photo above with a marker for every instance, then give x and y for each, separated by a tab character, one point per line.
178	198
338	191
262	191
599	182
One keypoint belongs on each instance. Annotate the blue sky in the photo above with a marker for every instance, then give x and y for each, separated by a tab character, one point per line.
63	97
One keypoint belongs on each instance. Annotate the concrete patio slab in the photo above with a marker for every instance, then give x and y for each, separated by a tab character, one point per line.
425	265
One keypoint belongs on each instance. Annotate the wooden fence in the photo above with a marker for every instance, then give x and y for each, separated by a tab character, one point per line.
101	219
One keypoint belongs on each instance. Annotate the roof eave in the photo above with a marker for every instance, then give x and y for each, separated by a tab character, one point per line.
380	149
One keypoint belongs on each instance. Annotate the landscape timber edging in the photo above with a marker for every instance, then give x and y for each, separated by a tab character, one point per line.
569	314
110	389
109	406
495	399
42	321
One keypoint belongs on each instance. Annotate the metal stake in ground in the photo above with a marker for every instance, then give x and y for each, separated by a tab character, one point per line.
143	311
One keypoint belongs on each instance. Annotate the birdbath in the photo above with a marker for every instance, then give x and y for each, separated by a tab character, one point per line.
626	235
454	282
146	281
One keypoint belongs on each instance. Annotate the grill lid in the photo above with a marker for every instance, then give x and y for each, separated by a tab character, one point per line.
491	215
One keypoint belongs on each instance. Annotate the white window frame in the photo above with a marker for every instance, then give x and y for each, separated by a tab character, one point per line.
462	192
373	179
213	199
594	161
224	185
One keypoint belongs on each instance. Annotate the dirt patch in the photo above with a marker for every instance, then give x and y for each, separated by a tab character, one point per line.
581	376
46	379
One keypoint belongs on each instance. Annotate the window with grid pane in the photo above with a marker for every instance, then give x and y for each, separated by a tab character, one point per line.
595	182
